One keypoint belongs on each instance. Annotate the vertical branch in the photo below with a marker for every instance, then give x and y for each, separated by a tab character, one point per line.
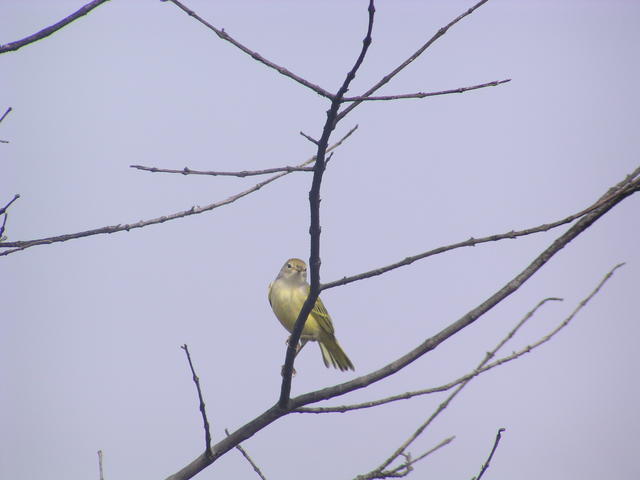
205	421
314	206
100	464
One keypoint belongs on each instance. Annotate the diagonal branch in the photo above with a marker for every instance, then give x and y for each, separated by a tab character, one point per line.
409	60
615	195
255	55
450	385
24	244
7	112
470	317
314	207
45	32
485	466
248	459
401	450
630	184
425	94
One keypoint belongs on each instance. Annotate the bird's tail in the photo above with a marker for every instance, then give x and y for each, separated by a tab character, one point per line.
333	355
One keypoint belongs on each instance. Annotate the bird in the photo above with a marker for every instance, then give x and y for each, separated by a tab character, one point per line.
287	294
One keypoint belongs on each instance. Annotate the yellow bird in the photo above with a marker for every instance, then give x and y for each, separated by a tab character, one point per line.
287	294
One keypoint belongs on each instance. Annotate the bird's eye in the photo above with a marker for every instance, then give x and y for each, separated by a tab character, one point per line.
289	265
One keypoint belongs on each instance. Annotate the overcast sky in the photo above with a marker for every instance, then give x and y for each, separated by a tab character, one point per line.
90	328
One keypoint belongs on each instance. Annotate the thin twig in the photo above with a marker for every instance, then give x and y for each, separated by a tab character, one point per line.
243	173
4	209
6	113
629	187
409	60
425	94
45	32
447	386
100	464
406	467
255	55
443	443
488	356
24	244
485	466
311	139
248	458
314	210
203	411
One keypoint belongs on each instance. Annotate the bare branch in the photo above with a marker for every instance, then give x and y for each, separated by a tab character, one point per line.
255	55
45	32
24	244
248	458
2	118
203	411
4	209
406	467
9	110
447	386
312	140
485	466
247	173
614	196
427	94
443	443
100	465
627	185
470	317
409	60
243	173
314	208
489	355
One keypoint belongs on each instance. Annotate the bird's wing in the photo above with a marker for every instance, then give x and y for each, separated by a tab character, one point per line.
320	314
269	294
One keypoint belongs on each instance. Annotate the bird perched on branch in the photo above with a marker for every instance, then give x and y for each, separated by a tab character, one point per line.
287	294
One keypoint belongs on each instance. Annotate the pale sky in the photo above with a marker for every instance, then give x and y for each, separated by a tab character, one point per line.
91	328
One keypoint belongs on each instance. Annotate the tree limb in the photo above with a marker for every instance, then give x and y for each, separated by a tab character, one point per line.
202	406
255	55
629	183
45	32
24	244
409	60
425	94
314	207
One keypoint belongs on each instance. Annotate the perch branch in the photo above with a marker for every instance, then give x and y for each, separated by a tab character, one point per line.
314	208
276	412
447	386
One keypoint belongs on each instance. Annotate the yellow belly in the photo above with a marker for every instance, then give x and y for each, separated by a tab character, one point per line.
286	303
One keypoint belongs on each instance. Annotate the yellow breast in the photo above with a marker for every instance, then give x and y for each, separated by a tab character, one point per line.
286	301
